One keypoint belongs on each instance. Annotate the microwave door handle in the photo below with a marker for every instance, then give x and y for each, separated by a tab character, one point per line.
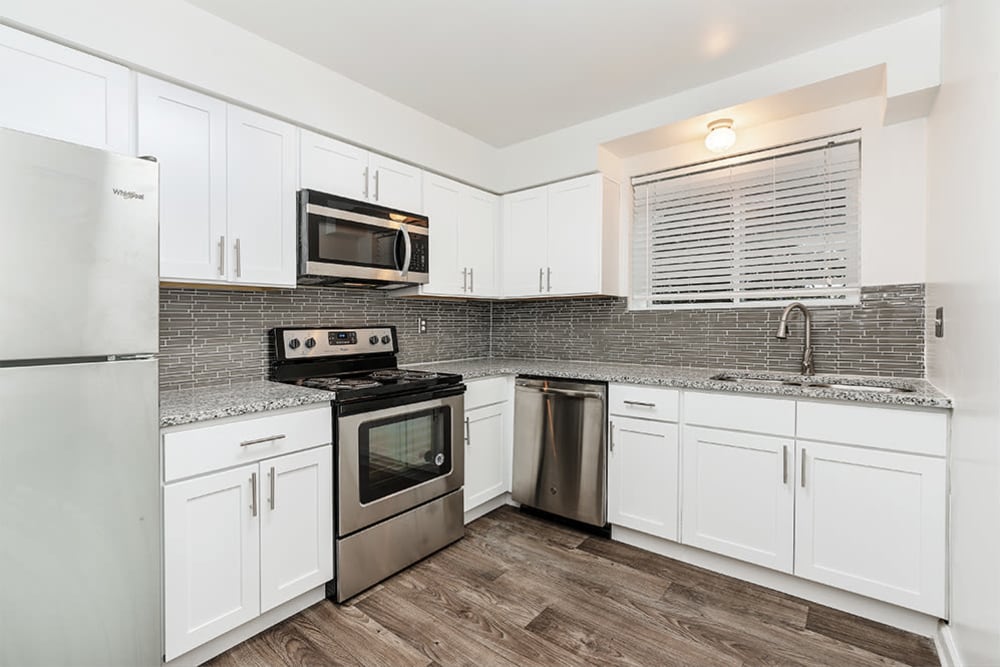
408	245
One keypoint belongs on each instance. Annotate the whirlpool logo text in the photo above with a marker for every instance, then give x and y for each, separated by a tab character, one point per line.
128	194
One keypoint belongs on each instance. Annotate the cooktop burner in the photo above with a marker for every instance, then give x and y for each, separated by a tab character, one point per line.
339	384
402	374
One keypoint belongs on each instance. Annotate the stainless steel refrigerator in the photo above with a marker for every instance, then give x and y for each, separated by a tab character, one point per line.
79	454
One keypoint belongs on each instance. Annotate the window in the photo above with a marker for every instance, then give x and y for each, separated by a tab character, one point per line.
757	229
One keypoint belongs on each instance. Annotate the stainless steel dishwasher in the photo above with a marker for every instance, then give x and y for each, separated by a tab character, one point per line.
560	459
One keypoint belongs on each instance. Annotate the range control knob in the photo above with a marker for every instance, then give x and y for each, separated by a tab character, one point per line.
373	340
310	343
294	343
385	340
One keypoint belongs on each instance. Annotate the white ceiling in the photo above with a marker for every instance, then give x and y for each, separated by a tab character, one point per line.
509	70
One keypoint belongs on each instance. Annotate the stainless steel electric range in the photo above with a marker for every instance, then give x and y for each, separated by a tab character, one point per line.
399	463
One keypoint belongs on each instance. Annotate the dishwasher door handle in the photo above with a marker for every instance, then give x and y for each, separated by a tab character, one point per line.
571	394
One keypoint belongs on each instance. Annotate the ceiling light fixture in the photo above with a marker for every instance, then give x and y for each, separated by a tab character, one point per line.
721	135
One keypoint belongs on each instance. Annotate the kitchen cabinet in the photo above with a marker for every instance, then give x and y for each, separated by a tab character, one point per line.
562	239
463	241
339	168
62	93
488	438
227	193
643	481
248	520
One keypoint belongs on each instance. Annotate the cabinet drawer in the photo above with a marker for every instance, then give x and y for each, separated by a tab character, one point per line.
913	431
487	391
222	445
740	413
629	400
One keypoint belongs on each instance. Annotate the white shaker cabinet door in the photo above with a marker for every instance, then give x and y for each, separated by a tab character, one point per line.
872	522
485	453
738	495
296	530
333	167
211	550
58	92
525	254
443	203
643	477
262	177
395	184
478	241
186	132
574	241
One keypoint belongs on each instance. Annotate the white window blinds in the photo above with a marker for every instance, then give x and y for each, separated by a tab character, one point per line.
757	229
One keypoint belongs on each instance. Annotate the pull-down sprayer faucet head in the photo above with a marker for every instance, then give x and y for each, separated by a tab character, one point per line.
782	333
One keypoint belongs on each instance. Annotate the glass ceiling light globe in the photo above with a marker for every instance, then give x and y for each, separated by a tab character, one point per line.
721	135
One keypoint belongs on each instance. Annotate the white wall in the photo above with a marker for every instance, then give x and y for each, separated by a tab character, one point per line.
893	180
180	42
964	277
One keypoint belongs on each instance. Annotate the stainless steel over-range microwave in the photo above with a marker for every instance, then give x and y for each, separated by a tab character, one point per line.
353	243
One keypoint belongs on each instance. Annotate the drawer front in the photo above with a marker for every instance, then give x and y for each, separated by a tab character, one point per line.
642	402
204	449
487	391
740	413
898	429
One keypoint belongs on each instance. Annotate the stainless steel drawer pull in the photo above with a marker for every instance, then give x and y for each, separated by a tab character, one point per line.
548	279
784	464
253	493
802	474
222	255
257	441
365	177
465	280
641	404
376	185
472	280
271	478
611	435
541	278
239	261
468	438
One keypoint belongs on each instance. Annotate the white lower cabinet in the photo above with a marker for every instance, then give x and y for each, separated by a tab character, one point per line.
643	476
872	522
485	460
739	498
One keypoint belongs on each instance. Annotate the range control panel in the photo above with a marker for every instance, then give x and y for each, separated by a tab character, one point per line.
317	343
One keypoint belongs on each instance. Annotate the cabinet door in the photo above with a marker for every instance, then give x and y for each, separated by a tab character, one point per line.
262	172
872	522
574	242
61	93
395	184
478	241
186	132
643	479
525	240
211	572
485	460
442	200
296	526
333	167
738	496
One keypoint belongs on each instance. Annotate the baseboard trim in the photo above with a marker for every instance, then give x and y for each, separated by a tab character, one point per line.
487	507
223	643
882	612
944	642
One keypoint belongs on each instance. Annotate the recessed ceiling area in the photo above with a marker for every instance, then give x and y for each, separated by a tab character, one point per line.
507	71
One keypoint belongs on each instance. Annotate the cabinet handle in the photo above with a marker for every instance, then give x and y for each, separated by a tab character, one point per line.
376	185
468	438
257	441
541	277
802	473
271	480
611	436
239	263
784	464
472	280
253	494
641	404
465	279
365	176
222	255
549	279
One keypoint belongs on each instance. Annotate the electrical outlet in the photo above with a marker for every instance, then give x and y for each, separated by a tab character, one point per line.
423	325
939	322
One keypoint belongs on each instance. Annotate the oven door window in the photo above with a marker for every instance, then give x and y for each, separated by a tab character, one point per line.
339	241
403	451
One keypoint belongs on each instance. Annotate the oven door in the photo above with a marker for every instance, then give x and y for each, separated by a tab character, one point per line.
394	459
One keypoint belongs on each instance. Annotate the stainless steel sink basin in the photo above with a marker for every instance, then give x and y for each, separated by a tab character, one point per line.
819	382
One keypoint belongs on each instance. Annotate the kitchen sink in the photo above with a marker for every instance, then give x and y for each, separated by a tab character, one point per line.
819	382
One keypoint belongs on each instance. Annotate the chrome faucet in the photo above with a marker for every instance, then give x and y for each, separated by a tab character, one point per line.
807	350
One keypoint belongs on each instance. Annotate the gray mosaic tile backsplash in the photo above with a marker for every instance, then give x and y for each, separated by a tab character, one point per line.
210	337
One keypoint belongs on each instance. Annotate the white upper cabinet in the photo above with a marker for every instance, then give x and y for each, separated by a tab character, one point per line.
562	239
186	132
61	93
463	238
227	187
338	168
262	173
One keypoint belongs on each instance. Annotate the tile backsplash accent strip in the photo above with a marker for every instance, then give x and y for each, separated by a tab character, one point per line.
219	337
884	335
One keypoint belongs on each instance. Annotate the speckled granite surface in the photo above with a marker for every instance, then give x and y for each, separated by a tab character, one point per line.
188	406
920	393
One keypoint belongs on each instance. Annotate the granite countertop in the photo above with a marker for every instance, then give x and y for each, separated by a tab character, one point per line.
920	392
188	406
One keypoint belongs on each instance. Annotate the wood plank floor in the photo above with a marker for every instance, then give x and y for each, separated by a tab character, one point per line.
519	590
